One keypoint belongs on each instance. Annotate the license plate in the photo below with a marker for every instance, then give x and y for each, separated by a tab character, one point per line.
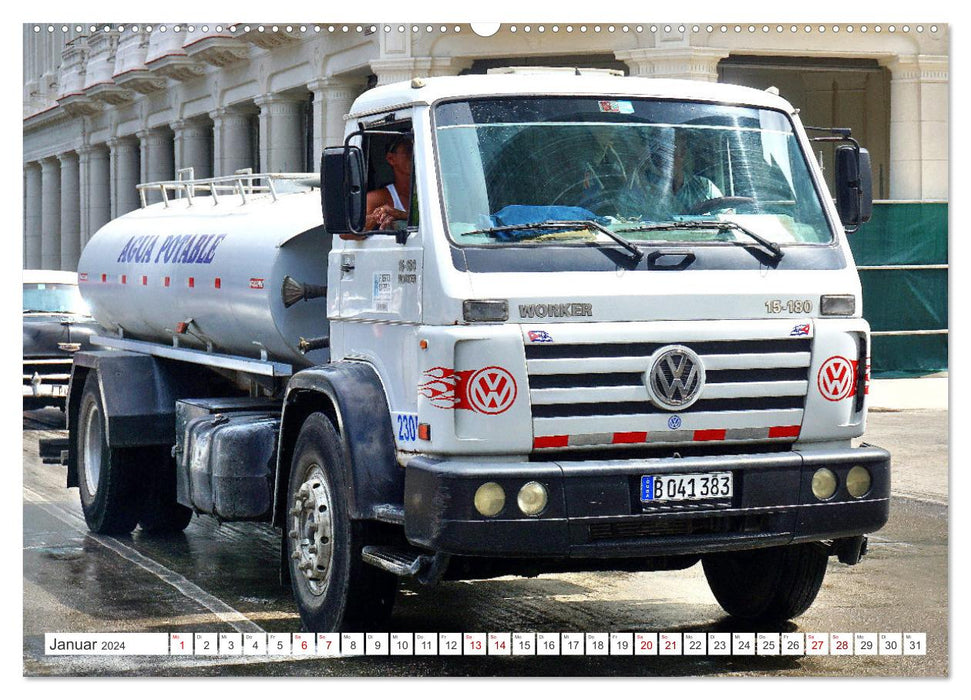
686	487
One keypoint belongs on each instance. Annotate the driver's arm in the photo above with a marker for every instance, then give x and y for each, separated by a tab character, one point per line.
376	201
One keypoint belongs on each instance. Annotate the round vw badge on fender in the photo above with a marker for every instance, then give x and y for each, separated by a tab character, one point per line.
675	378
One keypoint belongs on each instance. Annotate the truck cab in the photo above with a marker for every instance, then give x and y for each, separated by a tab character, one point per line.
620	327
622	321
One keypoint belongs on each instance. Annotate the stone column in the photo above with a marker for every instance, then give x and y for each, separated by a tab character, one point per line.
934	105
95	191
157	159
50	216
70	210
232	145
333	98
193	147
685	62
84	182
32	215
918	127
282	147
124	176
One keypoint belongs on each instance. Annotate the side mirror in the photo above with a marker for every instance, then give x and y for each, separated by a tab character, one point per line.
343	195
854	187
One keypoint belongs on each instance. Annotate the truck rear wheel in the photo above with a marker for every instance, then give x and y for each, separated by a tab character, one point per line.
333	587
107	477
767	585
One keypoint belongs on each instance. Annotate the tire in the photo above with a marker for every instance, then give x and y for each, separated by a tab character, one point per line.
334	589
107	478
767	585
161	512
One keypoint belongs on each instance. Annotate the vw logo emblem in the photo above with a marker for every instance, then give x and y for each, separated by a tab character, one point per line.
492	390
837	379
675	378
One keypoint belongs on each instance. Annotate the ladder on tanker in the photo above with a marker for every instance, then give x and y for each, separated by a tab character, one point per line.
244	183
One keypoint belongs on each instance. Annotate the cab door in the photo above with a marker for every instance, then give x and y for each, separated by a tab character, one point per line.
379	278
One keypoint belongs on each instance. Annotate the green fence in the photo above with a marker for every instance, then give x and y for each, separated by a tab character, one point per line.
902	257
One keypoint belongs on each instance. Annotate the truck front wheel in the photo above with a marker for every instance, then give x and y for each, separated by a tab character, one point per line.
767	585
333	587
106	476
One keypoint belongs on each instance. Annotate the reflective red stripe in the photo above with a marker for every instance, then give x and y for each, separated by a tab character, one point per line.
219	283
628	438
144	280
124	279
167	281
712	435
551	441
192	282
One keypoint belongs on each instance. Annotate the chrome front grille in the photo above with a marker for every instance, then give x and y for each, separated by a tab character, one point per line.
584	380
586	394
50	370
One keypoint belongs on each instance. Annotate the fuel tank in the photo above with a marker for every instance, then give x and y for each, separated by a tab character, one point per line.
210	275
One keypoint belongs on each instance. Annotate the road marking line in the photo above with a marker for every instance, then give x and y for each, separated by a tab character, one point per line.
103	663
922	499
225	612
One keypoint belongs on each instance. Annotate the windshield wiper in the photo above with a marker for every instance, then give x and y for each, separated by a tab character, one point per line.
633	251
774	248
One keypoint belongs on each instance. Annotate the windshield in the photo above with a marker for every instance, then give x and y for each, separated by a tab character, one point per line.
55	298
625	165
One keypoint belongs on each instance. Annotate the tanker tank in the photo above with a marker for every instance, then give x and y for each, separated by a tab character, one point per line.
208	273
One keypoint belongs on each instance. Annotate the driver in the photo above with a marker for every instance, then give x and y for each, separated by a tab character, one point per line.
387	204
672	185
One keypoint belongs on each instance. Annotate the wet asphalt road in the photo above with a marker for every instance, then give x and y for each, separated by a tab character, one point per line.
223	578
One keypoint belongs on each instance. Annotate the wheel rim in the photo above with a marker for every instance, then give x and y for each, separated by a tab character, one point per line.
311	529
91	431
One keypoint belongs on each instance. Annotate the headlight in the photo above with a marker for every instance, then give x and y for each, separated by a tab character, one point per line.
858	482
837	305
489	499
824	484
532	498
480	310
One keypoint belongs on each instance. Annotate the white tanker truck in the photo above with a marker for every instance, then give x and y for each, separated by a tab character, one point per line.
619	329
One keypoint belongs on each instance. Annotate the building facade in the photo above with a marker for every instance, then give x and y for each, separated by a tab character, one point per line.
109	106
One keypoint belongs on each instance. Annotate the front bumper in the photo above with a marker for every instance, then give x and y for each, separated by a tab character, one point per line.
594	508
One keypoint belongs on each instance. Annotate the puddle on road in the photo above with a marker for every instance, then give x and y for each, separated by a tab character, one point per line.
60	553
53	545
